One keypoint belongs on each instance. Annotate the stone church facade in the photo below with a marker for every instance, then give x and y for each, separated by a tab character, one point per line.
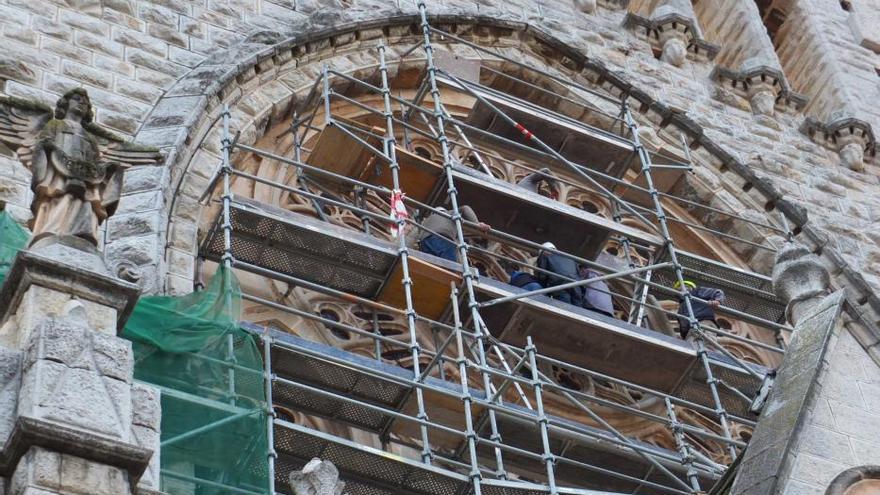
772	102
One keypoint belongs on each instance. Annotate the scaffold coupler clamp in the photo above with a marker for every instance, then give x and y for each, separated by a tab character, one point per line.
763	393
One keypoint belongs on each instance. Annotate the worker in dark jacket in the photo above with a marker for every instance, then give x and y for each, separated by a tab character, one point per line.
704	312
562	271
597	295
439	243
532	182
523	280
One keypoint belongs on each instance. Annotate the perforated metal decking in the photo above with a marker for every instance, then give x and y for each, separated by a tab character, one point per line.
608	153
288	243
611	346
369	471
745	291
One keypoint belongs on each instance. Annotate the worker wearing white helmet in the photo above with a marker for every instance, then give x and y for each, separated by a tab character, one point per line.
562	269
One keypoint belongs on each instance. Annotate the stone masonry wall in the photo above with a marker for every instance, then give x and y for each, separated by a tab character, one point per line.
842	428
154	67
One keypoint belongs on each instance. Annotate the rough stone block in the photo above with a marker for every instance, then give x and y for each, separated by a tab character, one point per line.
77	398
146	406
10	382
37	303
142	179
39	469
136	224
139	250
827	444
83	477
815	470
72	344
149	439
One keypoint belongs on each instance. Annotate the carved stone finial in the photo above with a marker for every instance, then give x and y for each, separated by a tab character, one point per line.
674	50
317	478
798	279
852	155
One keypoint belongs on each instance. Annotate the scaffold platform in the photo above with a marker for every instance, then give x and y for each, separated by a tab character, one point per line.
607	152
334	384
296	245
504	206
339	258
370	471
614	347
745	291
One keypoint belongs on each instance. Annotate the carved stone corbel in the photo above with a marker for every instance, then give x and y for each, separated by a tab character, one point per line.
673	31
853	139
762	84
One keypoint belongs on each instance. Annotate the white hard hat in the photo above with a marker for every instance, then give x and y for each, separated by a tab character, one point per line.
548	245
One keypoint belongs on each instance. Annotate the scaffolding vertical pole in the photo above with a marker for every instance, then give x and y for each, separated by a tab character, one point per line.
702	353
389	144
467	272
470	433
686	458
269	378
226	170
542	417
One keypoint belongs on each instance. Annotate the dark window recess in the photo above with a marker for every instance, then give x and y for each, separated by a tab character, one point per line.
337	332
367	315
772	17
589	206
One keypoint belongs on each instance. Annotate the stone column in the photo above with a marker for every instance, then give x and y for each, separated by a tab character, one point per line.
72	420
799	279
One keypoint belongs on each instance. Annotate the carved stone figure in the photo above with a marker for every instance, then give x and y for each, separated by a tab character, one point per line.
317	478
77	166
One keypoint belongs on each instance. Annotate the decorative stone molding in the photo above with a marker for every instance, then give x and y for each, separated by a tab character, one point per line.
317	478
672	30
762	84
799	278
853	139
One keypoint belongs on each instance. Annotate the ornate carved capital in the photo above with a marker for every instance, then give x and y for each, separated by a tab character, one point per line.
317	478
673	31
799	278
852	138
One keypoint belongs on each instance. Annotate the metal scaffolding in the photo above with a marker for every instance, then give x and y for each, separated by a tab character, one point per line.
489	429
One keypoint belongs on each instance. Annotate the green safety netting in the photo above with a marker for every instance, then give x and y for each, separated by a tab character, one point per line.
13	238
210	373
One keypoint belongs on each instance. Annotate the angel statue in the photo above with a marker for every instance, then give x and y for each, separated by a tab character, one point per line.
77	166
